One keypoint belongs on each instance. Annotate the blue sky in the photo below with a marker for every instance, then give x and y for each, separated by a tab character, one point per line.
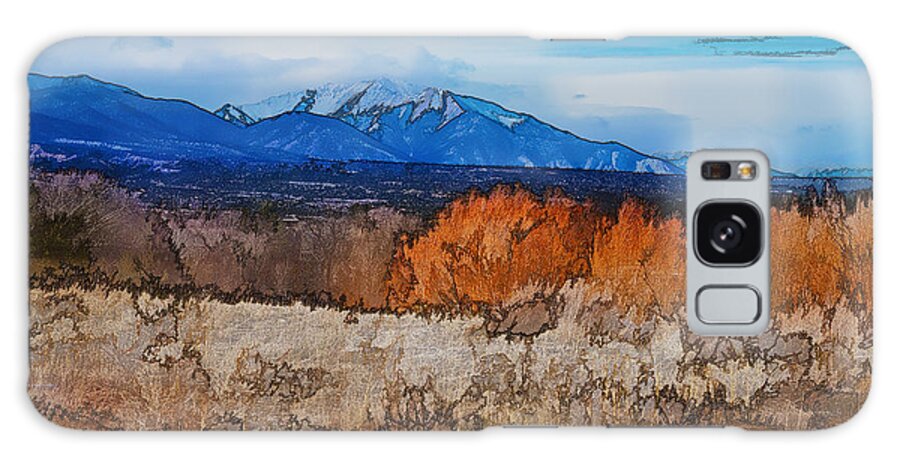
806	102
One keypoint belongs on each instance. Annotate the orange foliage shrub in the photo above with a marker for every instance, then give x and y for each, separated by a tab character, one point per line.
485	247
858	255
638	262
821	257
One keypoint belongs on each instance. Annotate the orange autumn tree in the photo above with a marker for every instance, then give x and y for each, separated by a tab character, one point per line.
638	261
484	247
831	248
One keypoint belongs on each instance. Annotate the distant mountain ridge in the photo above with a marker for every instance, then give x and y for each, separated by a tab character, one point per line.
380	120
85	116
680	158
838	172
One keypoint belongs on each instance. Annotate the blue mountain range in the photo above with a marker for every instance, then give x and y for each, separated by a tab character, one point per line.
377	120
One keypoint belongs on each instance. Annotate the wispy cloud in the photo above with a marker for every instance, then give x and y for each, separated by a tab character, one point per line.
773	47
210	72
142	44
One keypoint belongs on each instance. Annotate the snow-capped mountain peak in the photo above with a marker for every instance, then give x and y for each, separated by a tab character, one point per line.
368	98
377	95
361	104
427	124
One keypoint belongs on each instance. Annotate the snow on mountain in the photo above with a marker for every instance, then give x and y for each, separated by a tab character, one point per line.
272	106
487	134
358	103
234	115
491	111
427	124
336	100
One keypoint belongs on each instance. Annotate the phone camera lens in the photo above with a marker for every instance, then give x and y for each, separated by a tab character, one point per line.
728	233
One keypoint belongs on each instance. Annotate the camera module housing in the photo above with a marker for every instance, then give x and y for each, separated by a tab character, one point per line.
727	231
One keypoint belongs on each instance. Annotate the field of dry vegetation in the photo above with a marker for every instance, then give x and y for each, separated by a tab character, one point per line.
506	308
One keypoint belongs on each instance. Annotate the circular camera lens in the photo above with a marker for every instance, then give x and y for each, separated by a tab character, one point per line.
726	235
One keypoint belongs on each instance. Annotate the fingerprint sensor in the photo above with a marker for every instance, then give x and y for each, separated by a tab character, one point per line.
728	304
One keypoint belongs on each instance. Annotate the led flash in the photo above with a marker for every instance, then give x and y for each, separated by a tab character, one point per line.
746	170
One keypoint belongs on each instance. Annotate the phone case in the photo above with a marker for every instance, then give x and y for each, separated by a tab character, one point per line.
435	233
